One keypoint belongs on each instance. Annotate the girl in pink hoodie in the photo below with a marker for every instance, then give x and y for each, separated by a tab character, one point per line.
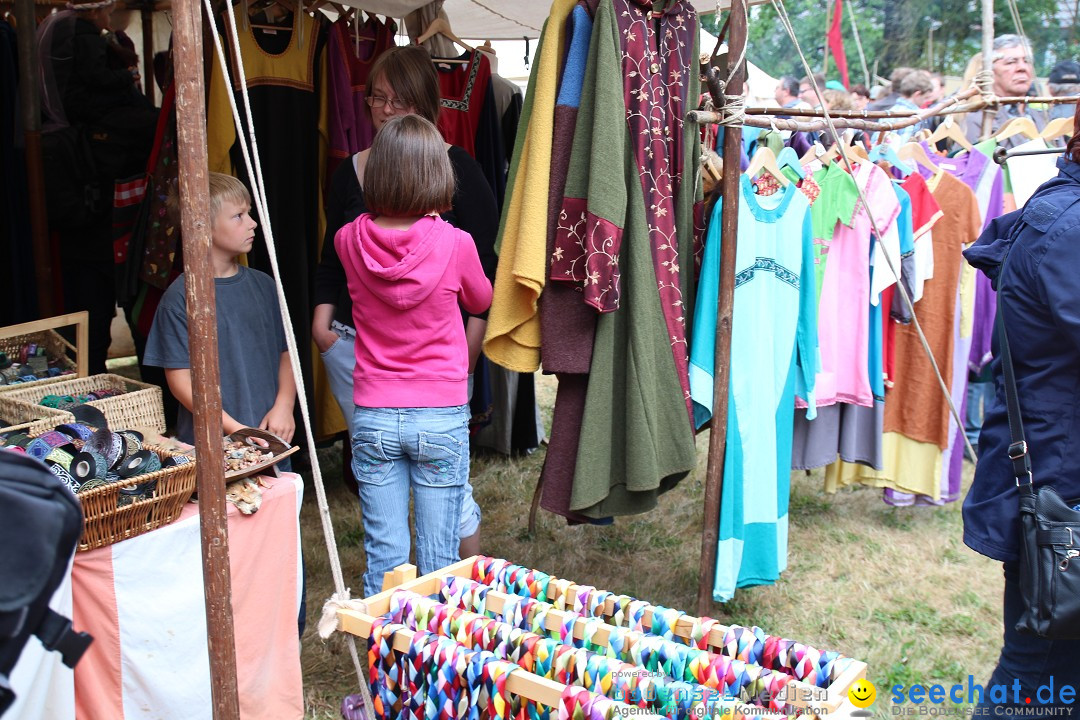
410	273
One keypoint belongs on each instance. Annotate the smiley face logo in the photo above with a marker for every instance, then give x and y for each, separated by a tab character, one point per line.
862	694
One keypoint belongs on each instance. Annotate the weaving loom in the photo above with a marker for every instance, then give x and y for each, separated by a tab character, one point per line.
486	638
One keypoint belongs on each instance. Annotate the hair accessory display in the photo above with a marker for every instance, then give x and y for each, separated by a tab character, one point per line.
483	646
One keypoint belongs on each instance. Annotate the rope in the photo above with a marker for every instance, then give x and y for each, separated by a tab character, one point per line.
254	169
734	112
786	21
984	81
732	69
1015	12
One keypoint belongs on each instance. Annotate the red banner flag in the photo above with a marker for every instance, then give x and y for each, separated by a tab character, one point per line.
835	40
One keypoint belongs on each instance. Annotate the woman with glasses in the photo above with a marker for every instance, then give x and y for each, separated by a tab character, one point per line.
403	81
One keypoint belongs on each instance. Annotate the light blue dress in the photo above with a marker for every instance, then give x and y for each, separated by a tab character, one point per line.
773	357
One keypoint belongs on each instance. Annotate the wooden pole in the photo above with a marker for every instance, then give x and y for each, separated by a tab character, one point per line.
988	58
203	348
729	226
30	98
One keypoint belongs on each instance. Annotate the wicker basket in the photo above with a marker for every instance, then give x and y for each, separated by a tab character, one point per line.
30	419
105	521
139	407
42	332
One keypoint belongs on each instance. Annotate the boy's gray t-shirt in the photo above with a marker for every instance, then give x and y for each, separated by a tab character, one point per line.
251	339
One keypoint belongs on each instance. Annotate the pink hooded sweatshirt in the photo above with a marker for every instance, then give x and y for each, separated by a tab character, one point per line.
406	288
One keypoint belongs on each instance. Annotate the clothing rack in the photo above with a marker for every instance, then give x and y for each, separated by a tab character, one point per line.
767	117
1001	155
874	114
729	189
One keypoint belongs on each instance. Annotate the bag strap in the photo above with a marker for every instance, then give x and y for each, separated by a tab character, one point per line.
1018	448
56	633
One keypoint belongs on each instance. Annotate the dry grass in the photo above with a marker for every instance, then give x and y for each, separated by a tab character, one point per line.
893	587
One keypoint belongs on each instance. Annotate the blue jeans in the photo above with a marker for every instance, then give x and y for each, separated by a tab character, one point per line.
398	449
339	361
1029	660
979	397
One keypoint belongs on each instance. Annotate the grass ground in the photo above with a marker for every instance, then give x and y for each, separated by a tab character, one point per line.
894	587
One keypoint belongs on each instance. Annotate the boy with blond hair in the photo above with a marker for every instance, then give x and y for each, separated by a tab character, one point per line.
257	387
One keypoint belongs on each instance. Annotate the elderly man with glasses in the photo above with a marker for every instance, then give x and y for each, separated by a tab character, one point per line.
1014	73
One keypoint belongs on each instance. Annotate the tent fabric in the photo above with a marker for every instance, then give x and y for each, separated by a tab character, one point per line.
487	20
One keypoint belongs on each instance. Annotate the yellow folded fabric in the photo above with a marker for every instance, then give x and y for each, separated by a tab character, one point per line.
513	331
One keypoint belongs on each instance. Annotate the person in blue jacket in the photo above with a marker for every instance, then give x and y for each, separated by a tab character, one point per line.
1032	255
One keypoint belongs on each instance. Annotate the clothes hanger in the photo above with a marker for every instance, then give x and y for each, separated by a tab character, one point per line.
1017	126
441	26
264	7
765	161
856	149
788	158
921	135
831	154
885	152
950	130
915	151
814	153
1058	127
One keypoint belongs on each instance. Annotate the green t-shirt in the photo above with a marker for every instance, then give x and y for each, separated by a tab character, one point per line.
836	203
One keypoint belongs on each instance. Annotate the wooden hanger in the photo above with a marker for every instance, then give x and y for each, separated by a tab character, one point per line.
1058	127
857	149
288	19
1017	126
950	130
765	161
441	26
831	154
915	151
814	153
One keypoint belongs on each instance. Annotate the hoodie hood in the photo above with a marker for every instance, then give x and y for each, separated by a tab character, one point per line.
1042	210
400	267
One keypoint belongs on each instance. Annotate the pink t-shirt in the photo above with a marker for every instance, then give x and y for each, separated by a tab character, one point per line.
844	307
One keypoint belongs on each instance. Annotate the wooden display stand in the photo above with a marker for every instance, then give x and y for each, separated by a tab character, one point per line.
44	332
831	702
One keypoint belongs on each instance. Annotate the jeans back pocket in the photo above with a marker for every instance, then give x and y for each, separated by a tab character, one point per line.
370	463
439	459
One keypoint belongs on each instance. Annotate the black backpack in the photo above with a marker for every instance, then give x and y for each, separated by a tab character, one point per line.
40	525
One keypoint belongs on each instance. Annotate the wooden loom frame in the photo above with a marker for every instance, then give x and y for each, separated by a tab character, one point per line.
548	692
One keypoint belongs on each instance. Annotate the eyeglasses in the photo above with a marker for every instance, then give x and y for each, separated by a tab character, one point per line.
378	101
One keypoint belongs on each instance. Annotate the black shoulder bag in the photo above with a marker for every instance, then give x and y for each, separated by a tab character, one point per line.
1050	531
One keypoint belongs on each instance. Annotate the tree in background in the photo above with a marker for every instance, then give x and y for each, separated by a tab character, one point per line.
897	32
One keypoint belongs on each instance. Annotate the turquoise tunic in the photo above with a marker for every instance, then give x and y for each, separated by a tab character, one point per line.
773	355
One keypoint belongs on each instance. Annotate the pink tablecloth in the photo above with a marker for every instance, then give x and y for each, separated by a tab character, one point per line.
142	600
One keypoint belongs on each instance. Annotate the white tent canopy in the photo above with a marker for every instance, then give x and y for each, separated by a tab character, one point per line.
493	19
